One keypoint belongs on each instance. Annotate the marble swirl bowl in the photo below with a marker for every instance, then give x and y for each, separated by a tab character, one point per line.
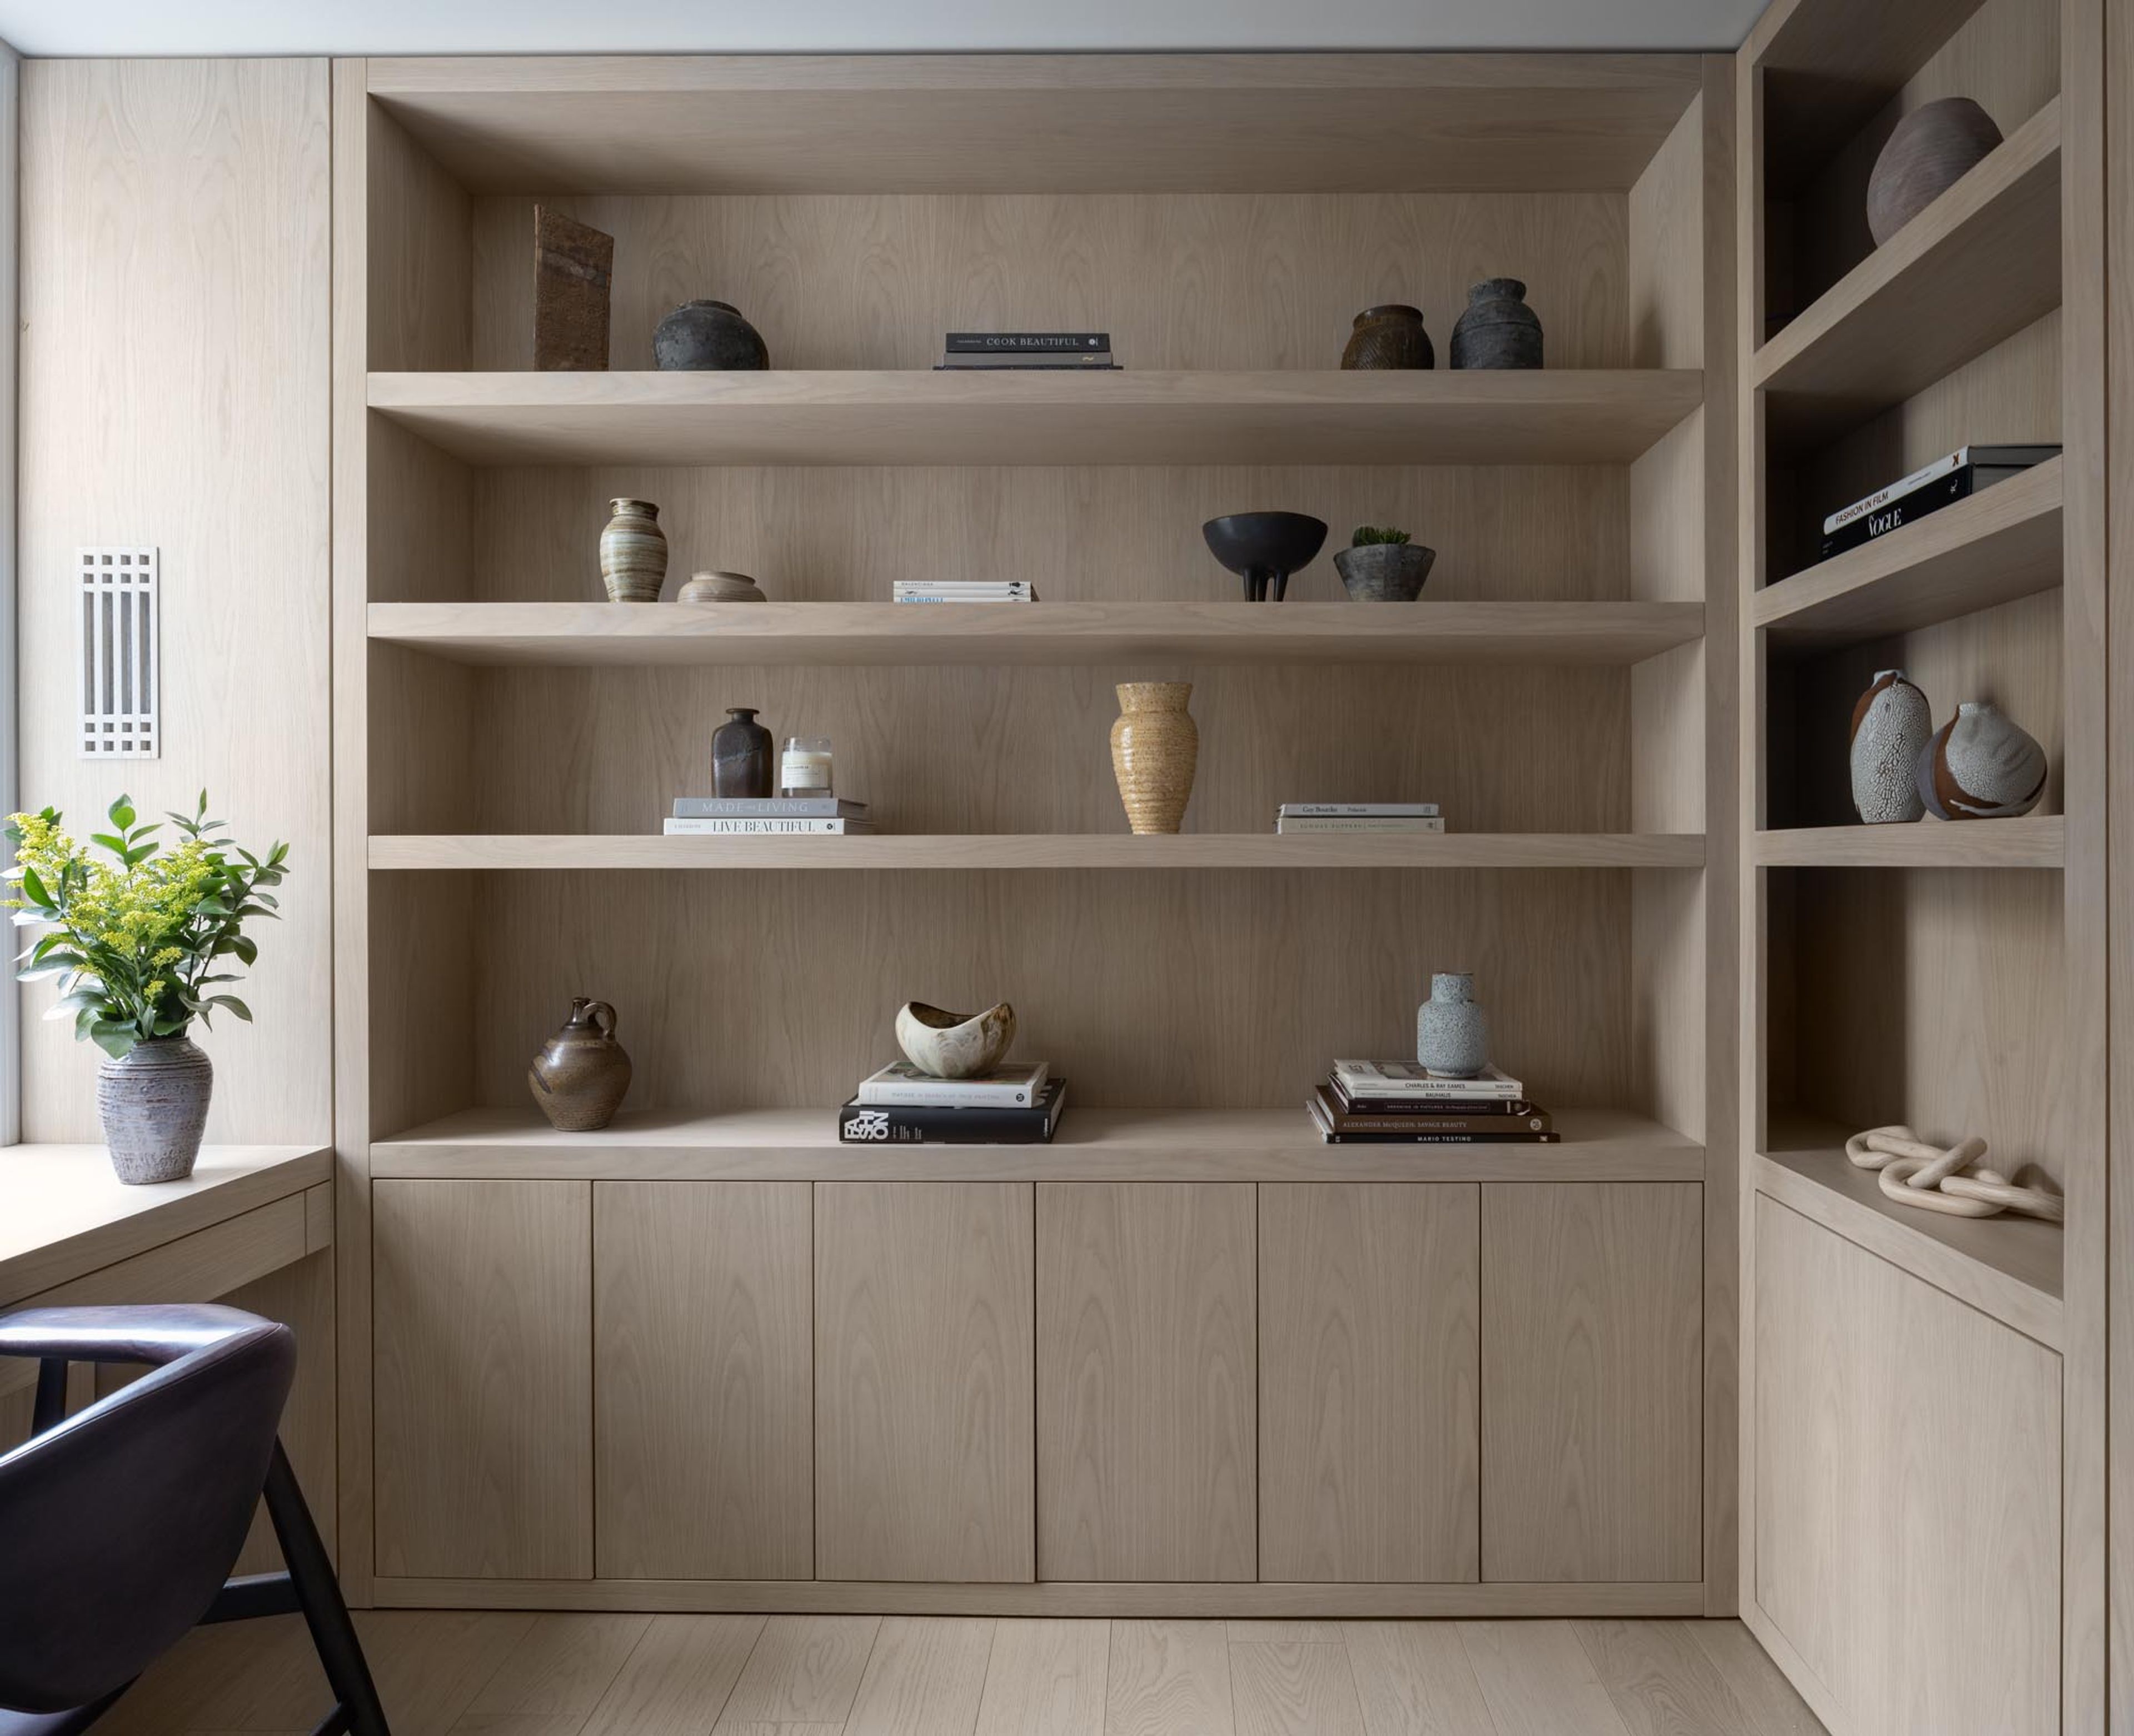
954	1045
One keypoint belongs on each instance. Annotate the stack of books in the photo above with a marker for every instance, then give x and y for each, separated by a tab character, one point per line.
764	815
1078	352
1016	1105
1401	1103
1928	489
962	590
1354	816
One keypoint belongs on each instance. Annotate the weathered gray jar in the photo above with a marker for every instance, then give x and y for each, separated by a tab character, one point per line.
1451	1032
1384	573
1498	329
709	336
153	1102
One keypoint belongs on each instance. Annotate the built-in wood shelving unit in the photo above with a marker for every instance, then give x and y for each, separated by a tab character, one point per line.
1139	415
1997	545
2034	841
854	634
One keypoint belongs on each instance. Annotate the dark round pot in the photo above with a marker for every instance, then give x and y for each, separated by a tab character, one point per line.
153	1102
1391	337
709	335
1934	148
740	756
1384	573
1498	329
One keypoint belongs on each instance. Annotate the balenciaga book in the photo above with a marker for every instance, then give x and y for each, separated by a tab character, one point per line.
1005	1087
1408	1080
1357	811
1051	343
899	1124
742	828
768	807
1956	477
1291	825
1334	1135
1423	1118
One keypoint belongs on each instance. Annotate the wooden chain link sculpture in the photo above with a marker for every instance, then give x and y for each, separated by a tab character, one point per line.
1952	1179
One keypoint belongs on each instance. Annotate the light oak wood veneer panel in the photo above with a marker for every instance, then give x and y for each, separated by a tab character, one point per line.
1369	1351
1591	1378
924	1377
1917	1621
1146	1381
483	1294
704	1369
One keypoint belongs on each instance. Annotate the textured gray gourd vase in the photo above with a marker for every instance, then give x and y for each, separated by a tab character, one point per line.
1891	724
1498	329
1451	1032
153	1102
1384	573
1980	765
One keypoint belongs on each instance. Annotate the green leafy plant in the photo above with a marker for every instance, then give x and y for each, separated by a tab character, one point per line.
1367	537
135	945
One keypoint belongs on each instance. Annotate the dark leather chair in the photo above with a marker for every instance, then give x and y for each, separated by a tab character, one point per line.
119	1525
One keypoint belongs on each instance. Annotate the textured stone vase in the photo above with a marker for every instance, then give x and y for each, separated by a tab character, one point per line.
946	1045
1498	329
741	755
720	587
1934	148
633	553
1155	748
1451	1032
581	1075
153	1102
1391	337
1891	724
1981	766
709	336
1384	573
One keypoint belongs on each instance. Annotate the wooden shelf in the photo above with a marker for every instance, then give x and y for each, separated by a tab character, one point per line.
2036	841
1992	548
1557	415
2010	1266
1044	850
1092	1145
851	633
1036	123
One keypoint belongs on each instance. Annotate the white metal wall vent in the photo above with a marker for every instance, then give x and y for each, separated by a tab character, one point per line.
120	659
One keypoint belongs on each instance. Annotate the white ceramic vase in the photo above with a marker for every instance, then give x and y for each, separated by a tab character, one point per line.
1891	724
1451	1032
1981	766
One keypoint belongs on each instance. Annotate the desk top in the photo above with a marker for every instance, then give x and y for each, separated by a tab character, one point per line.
63	1213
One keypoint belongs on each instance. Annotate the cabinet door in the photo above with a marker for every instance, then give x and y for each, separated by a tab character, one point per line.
1368	1360
923	1381
1907	1519
1146	1378
704	1364
1592	1410
482	1313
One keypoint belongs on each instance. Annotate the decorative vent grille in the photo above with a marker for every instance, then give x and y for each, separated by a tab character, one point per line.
121	673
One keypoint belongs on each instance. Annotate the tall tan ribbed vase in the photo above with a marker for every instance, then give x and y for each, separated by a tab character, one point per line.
1155	747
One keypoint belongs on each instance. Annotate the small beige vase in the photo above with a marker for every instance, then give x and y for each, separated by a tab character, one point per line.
1155	748
633	553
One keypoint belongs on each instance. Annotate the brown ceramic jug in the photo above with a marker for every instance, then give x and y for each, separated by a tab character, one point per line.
582	1073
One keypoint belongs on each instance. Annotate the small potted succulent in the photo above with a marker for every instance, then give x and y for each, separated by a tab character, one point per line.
1383	566
137	946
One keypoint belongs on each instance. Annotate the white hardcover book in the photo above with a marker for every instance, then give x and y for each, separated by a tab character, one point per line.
1006	1087
1354	810
1289	826
1882	497
1412	1079
964	599
761	828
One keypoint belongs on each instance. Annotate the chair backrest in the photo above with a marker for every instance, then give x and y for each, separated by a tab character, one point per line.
118	1526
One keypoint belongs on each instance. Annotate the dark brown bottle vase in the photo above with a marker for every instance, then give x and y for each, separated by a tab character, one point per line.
581	1075
741	755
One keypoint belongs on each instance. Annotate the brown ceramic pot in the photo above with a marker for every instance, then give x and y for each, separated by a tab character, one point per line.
1391	337
1934	148
582	1073
1155	747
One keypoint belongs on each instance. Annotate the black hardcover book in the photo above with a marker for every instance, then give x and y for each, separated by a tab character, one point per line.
1959	484
982	343
1330	1137
901	1124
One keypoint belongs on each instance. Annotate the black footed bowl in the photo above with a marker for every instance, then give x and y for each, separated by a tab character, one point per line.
1265	548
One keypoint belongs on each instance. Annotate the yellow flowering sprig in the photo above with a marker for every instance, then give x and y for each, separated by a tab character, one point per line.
135	945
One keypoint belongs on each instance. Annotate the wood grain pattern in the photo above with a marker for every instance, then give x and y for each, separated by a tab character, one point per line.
1145	1382
1413	1679
1369	1353
2034	841
1593	1370
677	1678
1279	1688
1046	1679
554	1677
484	1372
1169	1679
1537	1680
1662	1682
1859	1367
925	1677
801	1671
924	1377
703	1361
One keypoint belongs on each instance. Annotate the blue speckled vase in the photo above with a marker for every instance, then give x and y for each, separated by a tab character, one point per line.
1451	1032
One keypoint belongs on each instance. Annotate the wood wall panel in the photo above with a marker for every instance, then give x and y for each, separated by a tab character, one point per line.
704	1363
174	392
924	1382
1146	1381
1369	1352
1915	1620
1592	1376
1201	280
483	1298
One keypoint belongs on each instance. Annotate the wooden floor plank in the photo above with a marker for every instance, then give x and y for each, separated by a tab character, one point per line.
1537	1681
429	1664
925	1677
551	1679
1292	1688
1285	1633
1759	1686
804	1670
1046	1679
1413	1679
1169	1679
678	1681
1662	1682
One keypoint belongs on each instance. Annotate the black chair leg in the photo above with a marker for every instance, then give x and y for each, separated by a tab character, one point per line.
50	1408
318	1595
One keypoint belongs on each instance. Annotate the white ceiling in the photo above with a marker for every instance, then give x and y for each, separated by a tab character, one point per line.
766	26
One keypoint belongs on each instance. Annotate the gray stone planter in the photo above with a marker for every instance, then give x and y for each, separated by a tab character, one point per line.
153	1105
1384	573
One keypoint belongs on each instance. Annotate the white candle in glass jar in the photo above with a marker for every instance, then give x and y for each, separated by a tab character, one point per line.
804	767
